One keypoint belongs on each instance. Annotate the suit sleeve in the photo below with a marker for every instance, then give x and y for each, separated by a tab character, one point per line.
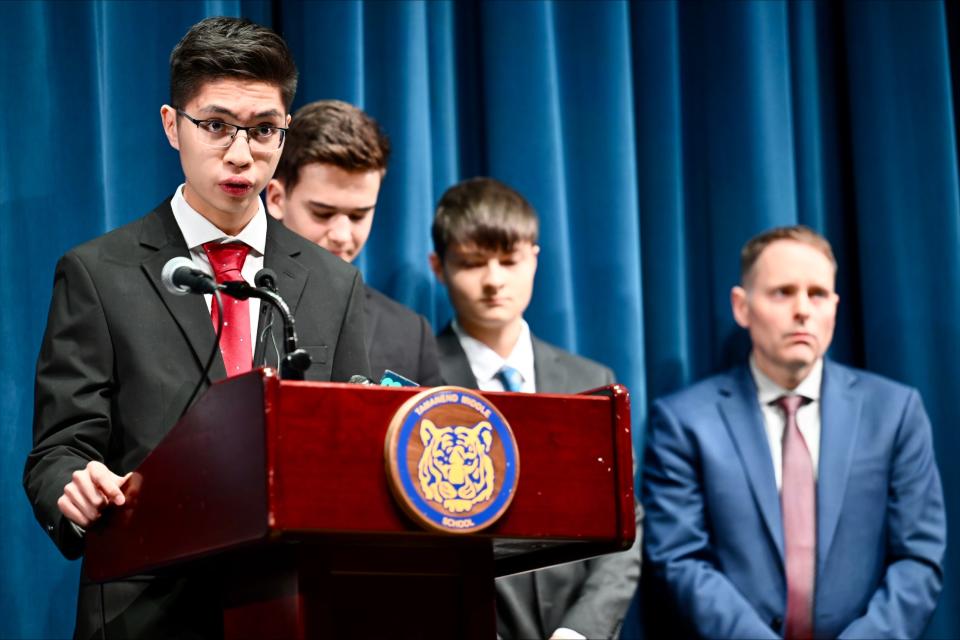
74	379
916	536
607	591
678	558
429	369
350	357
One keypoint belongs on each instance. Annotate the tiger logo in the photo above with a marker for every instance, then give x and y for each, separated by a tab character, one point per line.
455	467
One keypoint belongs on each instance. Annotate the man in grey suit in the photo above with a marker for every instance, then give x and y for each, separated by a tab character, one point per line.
325	188
485	242
121	354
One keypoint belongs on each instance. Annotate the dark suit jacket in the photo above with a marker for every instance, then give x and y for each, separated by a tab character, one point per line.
713	544
400	340
118	362
592	596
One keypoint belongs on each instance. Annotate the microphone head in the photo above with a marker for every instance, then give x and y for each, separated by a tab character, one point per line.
359	379
266	279
166	276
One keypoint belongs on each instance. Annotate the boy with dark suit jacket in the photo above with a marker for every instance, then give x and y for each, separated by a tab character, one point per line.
326	188
121	354
485	242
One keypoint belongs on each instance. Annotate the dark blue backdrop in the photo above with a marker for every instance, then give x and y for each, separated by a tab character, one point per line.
653	138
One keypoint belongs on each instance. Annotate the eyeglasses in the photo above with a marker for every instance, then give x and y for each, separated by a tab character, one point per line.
264	138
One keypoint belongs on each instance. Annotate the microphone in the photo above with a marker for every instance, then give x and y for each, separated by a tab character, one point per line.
359	379
180	277
266	279
296	360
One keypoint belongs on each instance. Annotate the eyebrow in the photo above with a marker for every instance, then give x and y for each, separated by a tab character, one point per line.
215	108
323	205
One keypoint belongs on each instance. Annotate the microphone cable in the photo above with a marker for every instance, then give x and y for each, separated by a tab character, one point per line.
205	376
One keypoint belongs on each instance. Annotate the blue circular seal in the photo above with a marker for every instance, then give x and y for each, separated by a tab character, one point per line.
452	460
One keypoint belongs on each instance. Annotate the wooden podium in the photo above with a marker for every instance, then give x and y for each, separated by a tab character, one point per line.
279	488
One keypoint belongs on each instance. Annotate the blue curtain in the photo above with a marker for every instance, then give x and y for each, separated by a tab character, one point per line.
653	138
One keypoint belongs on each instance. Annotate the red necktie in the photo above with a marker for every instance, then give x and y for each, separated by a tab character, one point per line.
226	259
798	502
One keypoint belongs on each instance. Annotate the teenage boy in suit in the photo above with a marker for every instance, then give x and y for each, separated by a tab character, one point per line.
326	189
121	354
485	243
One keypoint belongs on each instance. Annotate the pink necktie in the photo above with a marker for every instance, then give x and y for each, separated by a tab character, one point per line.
226	259
798	502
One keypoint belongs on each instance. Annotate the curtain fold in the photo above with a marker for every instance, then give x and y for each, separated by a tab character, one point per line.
653	138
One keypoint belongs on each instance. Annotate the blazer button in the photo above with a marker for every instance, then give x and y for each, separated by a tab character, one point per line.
776	623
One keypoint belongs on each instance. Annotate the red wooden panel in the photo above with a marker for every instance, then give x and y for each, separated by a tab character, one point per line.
327	441
201	490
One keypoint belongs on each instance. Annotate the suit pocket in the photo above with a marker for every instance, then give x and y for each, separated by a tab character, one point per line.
318	354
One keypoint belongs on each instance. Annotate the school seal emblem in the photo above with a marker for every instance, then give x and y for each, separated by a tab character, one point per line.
452	460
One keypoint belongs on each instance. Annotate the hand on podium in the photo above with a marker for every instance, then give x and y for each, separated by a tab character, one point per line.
89	492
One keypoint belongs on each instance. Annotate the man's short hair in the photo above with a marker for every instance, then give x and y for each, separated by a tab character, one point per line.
336	133
224	47
799	233
483	212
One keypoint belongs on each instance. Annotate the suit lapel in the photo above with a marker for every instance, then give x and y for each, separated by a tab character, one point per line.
742	417
161	234
454	366
549	377
839	426
279	256
371	316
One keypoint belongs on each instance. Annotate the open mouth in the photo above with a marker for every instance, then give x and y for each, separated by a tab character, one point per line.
236	187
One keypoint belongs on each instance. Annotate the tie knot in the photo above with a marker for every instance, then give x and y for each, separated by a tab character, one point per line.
790	404
226	259
511	378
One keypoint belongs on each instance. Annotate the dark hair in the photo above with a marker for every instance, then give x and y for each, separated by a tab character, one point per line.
799	233
225	47
332	132
483	212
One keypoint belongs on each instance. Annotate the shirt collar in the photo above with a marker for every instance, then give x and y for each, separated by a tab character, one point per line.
768	390
198	231
485	362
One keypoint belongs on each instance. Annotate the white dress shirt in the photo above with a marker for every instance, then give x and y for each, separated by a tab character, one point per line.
485	362
198	231
808	415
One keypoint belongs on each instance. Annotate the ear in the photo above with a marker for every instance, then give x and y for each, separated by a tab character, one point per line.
436	265
428	431
740	306
484	434
168	118
535	250
276	198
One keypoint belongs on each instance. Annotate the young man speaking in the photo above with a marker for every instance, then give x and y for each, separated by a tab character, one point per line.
121	355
